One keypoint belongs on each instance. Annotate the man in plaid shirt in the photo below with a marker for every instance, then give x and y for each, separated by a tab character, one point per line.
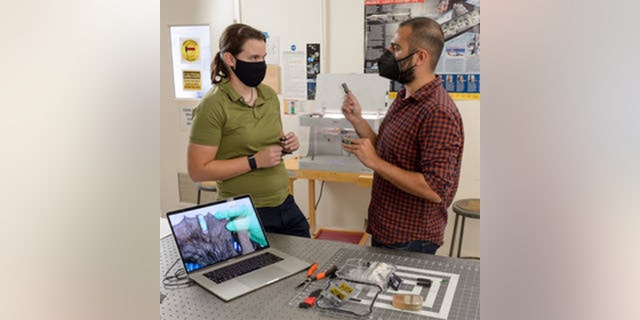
417	152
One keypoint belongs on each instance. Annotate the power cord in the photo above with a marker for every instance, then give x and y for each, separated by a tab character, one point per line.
315	207
178	280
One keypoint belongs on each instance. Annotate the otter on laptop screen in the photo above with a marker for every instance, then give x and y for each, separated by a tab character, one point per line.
204	235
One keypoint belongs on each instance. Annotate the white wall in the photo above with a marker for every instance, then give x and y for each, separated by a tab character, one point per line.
217	14
299	22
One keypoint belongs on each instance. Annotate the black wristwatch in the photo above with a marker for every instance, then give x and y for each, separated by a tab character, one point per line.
252	162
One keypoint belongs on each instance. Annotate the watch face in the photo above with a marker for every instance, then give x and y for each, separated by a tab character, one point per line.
252	162
190	50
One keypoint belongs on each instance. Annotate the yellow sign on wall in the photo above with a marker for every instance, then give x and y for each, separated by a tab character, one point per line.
464	96
454	96
190	50
191	80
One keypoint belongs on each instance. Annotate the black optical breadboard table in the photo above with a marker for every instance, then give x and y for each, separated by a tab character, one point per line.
454	292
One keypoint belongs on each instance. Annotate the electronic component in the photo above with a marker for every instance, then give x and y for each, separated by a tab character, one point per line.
345	87
340	292
407	301
283	139
395	281
424	282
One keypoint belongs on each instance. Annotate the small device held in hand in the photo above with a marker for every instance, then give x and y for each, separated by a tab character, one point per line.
345	87
282	141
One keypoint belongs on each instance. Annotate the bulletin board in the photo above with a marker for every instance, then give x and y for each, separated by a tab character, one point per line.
459	63
191	58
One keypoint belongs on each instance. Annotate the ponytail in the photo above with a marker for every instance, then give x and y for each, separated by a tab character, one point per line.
218	69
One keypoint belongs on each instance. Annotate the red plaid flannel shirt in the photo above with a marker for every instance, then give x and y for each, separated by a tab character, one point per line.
422	133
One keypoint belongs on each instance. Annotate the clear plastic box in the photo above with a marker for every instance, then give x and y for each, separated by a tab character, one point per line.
371	272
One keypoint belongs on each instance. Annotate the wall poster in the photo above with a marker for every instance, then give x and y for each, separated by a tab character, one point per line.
313	68
191	58
459	64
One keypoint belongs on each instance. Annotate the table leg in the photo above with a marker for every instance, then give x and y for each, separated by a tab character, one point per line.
291	180
461	234
312	206
453	236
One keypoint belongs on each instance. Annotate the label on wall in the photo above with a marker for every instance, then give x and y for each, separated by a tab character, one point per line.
191	80
294	77
186	117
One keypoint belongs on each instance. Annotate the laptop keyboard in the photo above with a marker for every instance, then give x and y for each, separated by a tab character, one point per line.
242	267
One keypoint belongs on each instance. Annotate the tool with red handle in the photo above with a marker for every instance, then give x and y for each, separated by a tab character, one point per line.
310	300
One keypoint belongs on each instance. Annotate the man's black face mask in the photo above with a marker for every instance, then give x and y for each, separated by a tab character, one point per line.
389	67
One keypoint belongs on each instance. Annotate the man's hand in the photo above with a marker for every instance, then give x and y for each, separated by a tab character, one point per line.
351	108
364	150
243	219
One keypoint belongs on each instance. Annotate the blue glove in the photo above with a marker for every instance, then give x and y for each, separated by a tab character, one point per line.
242	218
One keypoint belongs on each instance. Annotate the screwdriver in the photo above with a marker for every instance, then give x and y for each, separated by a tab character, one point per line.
328	272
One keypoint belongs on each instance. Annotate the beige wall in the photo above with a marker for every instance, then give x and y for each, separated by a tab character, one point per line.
217	14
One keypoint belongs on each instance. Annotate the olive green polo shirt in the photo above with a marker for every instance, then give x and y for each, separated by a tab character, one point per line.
224	120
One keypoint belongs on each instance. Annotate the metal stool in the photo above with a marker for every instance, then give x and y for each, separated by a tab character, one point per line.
467	208
209	186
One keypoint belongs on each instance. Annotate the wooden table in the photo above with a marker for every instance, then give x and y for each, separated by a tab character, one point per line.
359	179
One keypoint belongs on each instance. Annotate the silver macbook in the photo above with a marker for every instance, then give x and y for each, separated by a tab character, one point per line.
224	248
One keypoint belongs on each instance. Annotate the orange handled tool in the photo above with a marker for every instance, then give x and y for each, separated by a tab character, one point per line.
311	270
329	272
325	273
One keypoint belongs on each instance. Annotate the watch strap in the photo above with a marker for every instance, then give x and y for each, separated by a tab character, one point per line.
252	162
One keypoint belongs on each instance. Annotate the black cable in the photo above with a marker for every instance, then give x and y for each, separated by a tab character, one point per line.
178	280
319	196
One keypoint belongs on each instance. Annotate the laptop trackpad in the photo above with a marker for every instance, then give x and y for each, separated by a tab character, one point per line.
262	276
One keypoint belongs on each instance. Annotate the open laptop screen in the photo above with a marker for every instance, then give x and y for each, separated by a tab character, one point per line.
216	232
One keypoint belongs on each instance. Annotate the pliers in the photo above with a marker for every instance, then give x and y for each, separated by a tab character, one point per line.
310	277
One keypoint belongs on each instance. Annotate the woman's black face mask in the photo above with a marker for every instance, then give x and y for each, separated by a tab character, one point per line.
389	67
250	73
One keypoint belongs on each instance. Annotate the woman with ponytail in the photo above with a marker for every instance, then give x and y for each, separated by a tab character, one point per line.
236	134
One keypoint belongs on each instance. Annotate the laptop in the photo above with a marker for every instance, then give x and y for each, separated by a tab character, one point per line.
224	248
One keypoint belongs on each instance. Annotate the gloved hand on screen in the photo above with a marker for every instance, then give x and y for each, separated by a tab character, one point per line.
242	218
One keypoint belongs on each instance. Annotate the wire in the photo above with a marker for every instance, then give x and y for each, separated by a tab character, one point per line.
178	280
319	196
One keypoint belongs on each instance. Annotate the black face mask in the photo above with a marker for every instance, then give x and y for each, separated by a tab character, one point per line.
389	67
250	73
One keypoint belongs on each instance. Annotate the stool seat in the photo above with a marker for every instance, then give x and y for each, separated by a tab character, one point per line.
469	208
465	208
209	186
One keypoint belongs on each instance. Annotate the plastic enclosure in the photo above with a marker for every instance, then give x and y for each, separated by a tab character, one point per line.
328	126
